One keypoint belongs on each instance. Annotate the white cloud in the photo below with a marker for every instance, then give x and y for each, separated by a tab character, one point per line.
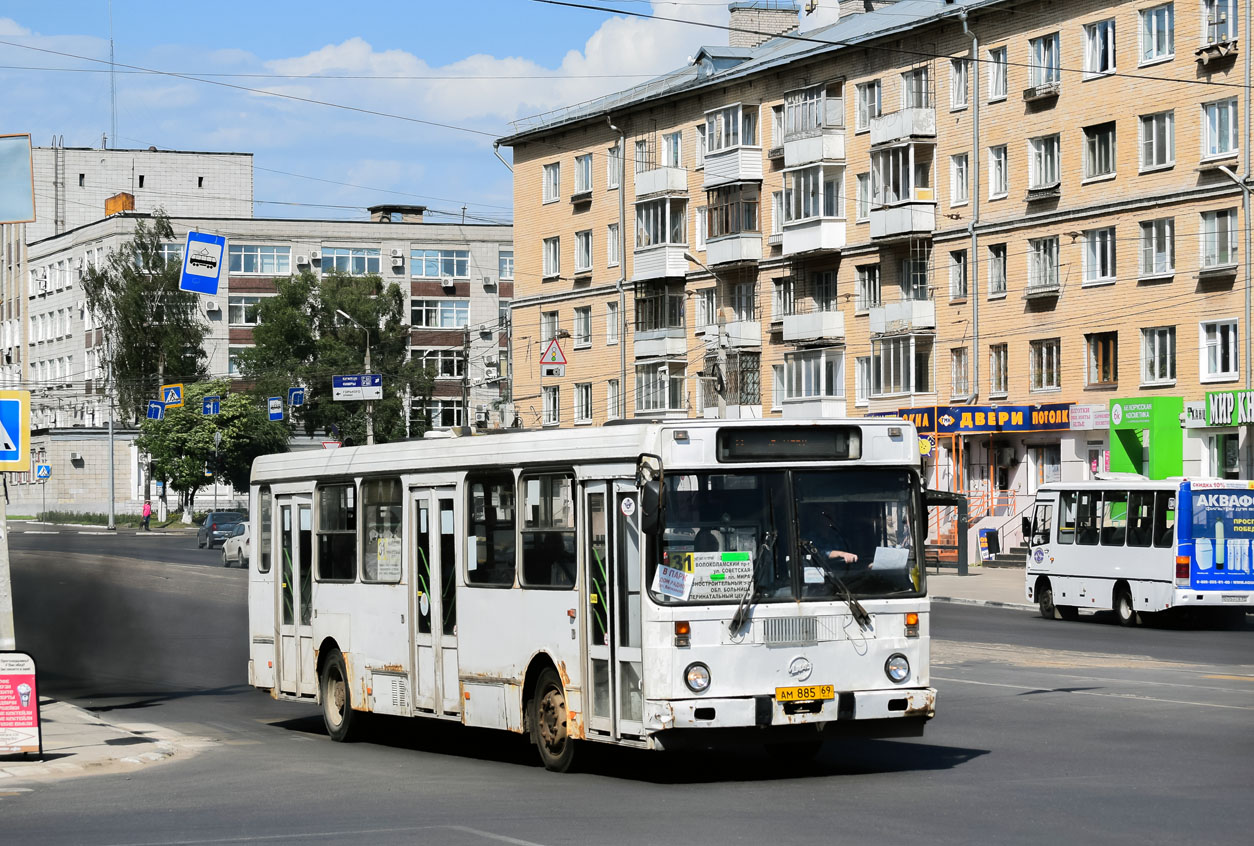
10	27
827	12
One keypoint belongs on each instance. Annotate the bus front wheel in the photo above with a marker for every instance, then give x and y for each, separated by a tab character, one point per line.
549	723
337	704
1125	612
1045	599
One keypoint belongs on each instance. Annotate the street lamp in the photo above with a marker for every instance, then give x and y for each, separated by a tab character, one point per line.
369	403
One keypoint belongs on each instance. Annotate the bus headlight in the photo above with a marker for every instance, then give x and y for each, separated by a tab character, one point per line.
697	677
897	668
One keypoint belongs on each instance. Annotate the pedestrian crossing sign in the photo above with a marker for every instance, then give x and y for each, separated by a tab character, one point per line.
15	430
172	395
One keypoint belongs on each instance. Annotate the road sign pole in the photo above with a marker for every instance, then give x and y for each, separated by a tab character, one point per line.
8	634
369	403
112	525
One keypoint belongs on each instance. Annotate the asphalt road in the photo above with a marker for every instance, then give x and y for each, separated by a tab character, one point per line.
1046	732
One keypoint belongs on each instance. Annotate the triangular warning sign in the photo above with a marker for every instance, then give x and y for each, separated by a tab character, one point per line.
553	354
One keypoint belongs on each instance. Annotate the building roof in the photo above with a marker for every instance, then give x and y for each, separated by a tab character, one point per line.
902	16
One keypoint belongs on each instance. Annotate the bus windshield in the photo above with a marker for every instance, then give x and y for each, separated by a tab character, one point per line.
798	535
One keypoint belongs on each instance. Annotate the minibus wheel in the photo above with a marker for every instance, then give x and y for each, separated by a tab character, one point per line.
549	723
1125	612
337	704
1045	599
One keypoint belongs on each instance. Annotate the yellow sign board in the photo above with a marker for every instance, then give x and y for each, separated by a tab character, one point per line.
172	395
15	430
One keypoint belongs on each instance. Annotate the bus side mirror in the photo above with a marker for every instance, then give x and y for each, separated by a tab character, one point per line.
650	506
1027	529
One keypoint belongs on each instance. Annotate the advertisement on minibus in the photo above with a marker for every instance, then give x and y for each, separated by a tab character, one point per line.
1221	528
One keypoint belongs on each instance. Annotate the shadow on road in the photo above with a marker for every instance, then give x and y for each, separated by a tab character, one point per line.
151	699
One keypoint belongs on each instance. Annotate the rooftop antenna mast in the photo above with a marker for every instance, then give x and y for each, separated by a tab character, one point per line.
113	84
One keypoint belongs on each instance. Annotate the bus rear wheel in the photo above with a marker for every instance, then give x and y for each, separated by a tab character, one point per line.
1045	599
337	704
1125	612
549	723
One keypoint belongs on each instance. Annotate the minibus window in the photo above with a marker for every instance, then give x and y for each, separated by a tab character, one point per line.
1087	517
548	535
381	519
1114	518
1140	518
263	533
490	527
1066	518
337	533
1164	519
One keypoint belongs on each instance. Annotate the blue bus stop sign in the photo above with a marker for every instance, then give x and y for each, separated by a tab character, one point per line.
275	405
202	263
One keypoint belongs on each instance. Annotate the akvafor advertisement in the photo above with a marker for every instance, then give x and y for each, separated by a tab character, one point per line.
1221	522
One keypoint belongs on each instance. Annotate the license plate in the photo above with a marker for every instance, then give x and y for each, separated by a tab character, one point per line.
805	693
1227	597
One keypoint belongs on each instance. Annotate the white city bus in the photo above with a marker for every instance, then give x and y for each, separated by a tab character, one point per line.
645	585
1138	546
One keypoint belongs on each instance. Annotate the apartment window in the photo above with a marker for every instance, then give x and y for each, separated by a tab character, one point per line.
660	386
896	173
1158	140
814	192
242	310
915	90
1219	19
915	279
583	251
505	264
998	178
1219	238
1158	247
861	380
1158	33
432	264
1044	68
730	127
998	358
824	285
439	313
869	104
613	166
552	257
1099	48
997	270
782	299
583	402
1219	128
444	364
863	208
814	374
701	145
706	309
659	306
745	301
548	326
959	182
1099	255
807	110
1217	341
1044	155
777	212
583	326
552	182
643	160
701	227
958	275
901	365
1103	358
354	261
1043	264
440	414
732	209
777	126
958	83
1099	150
611	323
672	149
959	382
583	173
1043	363
612	246
663	221
1158	355
997	65
248	258
552	405
613	400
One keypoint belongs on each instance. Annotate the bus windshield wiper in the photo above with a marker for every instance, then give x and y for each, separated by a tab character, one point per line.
859	613
768	545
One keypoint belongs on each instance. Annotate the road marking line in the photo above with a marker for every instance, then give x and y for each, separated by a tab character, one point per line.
38	532
304	836
1038	689
1232	678
95	533
490	836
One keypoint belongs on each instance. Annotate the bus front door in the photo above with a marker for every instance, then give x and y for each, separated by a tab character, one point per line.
612	604
295	612
435	684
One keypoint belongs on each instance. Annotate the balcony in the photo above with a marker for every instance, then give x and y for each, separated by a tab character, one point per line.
658	262
661	180
1051	191
902	316
1047	288
903	125
1042	92
655	343
910	218
817	145
813	235
734	249
814	326
744	333
735	164
812	408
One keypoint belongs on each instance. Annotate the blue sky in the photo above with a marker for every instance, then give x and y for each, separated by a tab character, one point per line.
493	49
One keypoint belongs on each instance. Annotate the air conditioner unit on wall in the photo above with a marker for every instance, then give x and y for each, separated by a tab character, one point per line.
398	261
490	372
397	254
447	281
302	261
212	305
315	256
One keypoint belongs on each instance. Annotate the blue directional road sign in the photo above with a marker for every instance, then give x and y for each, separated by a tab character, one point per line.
156	410
276	408
202	263
172	395
210	405
15	430
295	397
368	386
43	472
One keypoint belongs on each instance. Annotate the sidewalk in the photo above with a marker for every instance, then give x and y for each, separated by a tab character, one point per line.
999	587
77	742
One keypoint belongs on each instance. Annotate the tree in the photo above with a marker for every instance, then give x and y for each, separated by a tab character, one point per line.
155	331
299	340
181	445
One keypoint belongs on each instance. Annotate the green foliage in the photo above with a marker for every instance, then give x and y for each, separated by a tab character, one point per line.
155	331
301	341
182	444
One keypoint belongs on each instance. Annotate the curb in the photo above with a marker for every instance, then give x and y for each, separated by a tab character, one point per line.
986	603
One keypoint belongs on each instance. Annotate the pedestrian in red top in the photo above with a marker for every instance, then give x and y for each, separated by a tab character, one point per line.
147	513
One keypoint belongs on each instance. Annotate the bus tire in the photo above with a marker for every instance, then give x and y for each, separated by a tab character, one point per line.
1125	611
336	695
549	723
1068	612
1045	599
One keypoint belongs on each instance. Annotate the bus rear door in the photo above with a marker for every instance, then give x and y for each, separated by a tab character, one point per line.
297	676
436	686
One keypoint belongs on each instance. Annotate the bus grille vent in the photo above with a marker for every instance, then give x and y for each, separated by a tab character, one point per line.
789	631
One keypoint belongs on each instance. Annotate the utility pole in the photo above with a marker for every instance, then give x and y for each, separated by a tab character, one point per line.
466	379
112	525
722	369
369	403
8	632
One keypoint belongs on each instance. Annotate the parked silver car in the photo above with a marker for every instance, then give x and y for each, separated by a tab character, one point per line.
237	546
216	526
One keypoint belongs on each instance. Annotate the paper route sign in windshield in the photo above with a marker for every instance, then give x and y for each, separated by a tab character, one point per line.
705	576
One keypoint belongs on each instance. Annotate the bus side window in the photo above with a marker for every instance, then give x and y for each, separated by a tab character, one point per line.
548	535
1114	518
1140	518
1087	503
1042	523
381	524
1066	518
490	524
1164	519
337	533
263	533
